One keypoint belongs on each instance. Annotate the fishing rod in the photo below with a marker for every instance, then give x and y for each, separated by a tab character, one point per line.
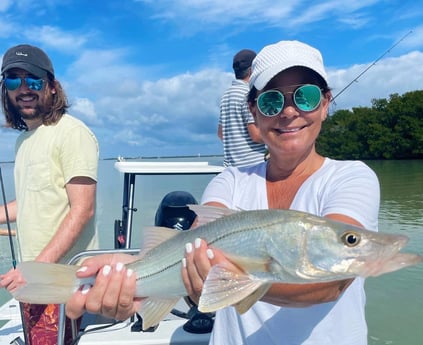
9	230
371	65
18	340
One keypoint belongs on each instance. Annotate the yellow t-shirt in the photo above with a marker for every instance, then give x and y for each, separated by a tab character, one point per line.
46	159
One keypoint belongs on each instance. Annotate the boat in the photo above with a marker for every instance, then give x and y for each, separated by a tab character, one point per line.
184	325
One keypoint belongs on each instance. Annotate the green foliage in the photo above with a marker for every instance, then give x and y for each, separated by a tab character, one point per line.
390	129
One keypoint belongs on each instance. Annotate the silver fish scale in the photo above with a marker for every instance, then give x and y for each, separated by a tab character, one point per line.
247	234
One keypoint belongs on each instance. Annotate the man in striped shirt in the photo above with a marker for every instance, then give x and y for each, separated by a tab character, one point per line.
242	144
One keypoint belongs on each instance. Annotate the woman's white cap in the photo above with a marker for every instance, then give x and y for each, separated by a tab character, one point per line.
280	56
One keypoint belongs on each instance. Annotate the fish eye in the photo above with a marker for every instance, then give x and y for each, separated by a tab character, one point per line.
351	239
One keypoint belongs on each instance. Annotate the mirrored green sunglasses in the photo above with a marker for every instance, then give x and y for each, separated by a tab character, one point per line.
305	97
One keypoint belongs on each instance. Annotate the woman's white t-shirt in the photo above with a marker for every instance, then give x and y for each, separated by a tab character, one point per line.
343	187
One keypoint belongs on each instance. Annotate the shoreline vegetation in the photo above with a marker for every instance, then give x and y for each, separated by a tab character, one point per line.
392	129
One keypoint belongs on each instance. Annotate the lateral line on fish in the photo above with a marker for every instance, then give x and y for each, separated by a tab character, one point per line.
211	242
152	274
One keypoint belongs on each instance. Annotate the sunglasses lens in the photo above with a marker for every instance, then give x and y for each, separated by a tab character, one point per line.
307	97
34	84
12	83
270	103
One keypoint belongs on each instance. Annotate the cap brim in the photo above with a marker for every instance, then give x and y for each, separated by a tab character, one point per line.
34	70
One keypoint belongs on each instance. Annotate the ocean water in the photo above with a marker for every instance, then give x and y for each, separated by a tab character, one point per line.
394	301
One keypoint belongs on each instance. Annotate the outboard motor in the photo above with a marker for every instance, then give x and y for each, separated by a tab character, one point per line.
173	211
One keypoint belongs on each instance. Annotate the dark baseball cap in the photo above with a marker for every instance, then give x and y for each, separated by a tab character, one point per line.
28	58
243	59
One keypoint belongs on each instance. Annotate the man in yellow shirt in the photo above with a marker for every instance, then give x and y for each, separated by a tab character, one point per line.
56	161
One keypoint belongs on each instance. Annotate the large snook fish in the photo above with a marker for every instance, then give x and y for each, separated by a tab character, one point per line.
269	246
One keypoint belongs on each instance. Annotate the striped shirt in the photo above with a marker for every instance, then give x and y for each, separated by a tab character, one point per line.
238	147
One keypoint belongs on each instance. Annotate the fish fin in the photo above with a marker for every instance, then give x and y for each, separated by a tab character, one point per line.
153	310
152	236
47	283
249	264
223	288
206	214
248	302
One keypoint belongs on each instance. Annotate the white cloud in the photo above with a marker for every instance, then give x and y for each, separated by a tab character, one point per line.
415	38
162	113
279	13
144	89
386	77
5	5
6	28
55	37
84	109
157	116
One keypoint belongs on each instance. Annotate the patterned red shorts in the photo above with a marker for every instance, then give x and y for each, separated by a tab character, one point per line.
42	323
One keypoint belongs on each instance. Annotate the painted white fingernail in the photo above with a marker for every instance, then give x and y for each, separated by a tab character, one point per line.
82	269
129	272
188	247
106	270
184	263
197	243
85	289
210	254
119	266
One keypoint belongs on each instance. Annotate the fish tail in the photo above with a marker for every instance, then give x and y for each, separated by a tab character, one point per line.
47	283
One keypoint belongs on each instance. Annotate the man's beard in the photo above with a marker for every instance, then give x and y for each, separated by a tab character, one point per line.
36	113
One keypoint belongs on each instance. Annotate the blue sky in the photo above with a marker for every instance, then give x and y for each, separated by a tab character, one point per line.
147	75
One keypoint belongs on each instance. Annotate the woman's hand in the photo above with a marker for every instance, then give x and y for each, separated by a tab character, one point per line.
112	294
199	258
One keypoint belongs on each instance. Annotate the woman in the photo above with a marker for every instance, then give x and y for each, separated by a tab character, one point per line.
289	98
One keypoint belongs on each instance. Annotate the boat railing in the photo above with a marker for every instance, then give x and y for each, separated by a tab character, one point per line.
73	261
